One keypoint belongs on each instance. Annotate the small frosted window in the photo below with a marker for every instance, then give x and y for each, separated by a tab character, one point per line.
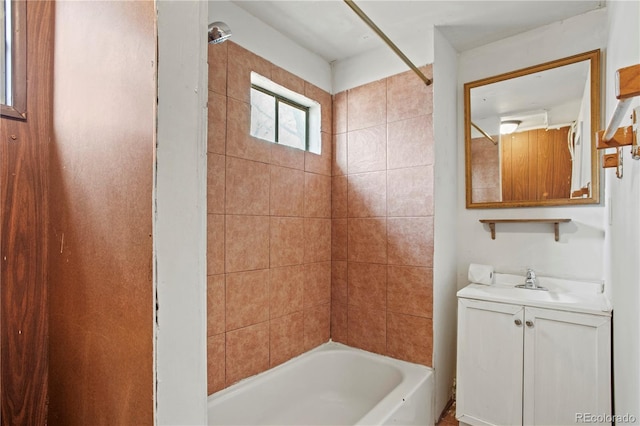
283	117
263	115
292	125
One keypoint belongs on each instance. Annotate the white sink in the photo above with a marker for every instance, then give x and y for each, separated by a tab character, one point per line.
568	295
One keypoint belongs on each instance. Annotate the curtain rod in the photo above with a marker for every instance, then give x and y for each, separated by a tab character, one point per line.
386	39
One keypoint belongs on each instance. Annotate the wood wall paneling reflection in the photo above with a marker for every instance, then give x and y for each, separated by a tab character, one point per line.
536	165
23	232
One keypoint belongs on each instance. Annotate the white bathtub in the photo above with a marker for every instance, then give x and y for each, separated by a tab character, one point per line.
330	385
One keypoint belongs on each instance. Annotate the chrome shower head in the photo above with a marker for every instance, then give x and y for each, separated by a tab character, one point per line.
218	32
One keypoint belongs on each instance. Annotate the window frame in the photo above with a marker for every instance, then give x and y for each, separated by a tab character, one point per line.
18	83
279	98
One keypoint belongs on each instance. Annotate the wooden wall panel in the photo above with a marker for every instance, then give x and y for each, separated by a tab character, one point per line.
505	147
545	169
520	166
535	165
23	245
101	178
561	164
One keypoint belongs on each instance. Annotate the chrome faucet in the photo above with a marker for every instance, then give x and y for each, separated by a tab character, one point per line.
530	280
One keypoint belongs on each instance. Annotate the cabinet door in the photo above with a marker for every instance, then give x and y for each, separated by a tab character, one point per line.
489	389
567	366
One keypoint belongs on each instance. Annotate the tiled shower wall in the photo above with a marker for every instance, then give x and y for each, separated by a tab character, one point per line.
382	218
269	228
485	170
296	255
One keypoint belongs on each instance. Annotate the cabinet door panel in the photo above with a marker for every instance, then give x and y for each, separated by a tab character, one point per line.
490	344
566	366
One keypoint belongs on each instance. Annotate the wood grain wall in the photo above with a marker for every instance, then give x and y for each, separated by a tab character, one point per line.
23	234
101	180
536	165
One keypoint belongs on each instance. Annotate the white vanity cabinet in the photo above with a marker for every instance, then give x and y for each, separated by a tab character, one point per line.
520	364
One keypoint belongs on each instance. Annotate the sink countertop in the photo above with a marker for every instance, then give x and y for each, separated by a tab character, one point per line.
565	295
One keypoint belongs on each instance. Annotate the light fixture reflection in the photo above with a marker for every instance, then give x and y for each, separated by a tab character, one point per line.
509	126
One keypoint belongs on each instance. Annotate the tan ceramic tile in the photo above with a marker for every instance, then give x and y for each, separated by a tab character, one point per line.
367	194
246	243
367	105
339	196
317	325
317	195
339	154
340	112
408	96
240	64
339	322
287	80
320	163
286	156
339	238
485	195
217	59
247	298
367	150
409	338
287	241
339	282
324	98
410	191
367	285
367	240
410	290
317	240
410	142
217	123
215	244
215	304
485	174
287	191
247	352
215	363
286	337
247	188
240	143
367	329
215	183
286	289
484	151
410	241
317	284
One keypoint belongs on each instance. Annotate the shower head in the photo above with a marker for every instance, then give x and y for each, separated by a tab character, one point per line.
218	32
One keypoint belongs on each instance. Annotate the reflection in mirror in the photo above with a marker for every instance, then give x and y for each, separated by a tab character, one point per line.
528	135
13	59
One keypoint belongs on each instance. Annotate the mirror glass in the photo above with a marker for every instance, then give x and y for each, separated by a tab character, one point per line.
529	135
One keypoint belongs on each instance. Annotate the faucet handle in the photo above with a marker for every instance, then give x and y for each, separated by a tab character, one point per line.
531	274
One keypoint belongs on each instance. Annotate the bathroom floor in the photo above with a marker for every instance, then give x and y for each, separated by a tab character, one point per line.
449	418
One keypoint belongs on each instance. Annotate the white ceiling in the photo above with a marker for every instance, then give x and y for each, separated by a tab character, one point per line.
334	32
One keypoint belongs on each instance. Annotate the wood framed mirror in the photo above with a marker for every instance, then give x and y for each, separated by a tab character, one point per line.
548	156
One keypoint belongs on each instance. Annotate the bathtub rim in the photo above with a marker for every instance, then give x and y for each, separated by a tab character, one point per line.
380	412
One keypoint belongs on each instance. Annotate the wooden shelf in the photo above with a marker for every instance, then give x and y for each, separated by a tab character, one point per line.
556	224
